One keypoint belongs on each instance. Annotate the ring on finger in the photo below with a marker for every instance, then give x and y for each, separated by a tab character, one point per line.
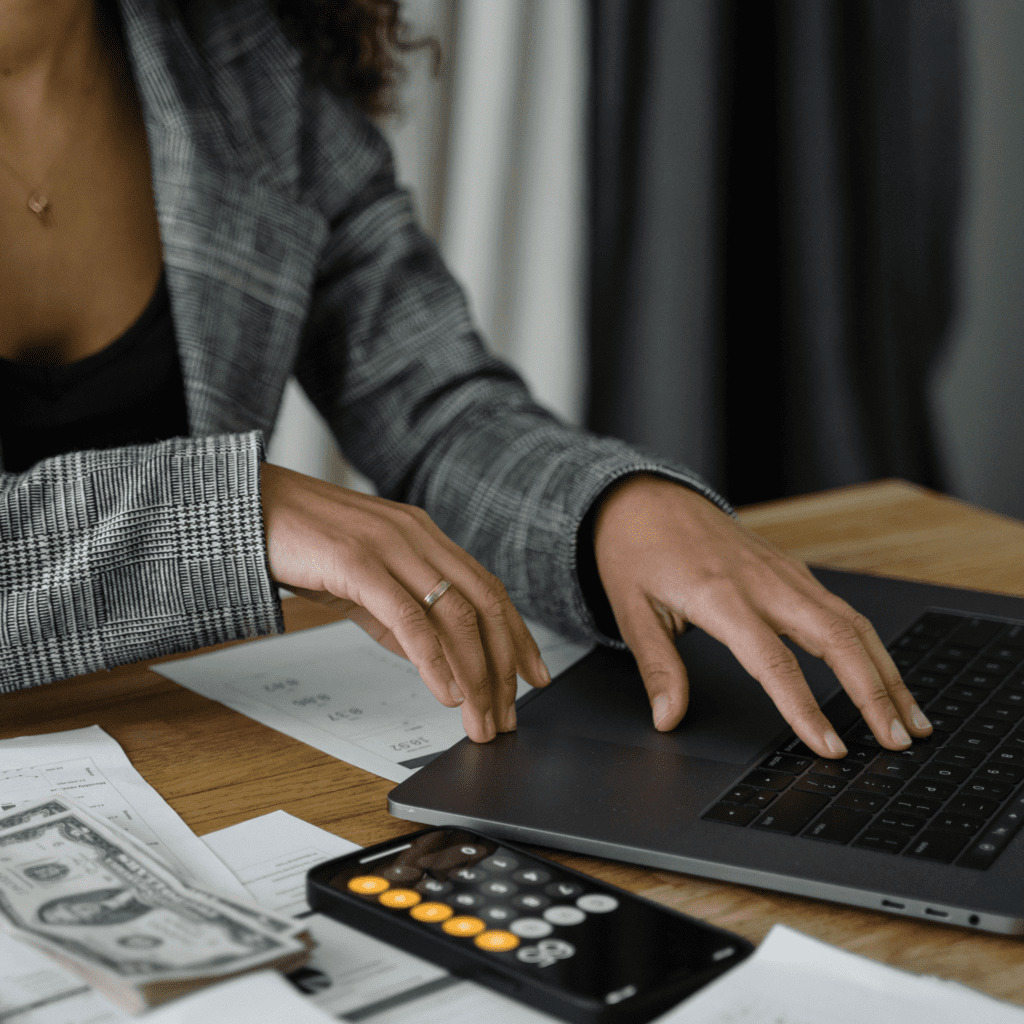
432	597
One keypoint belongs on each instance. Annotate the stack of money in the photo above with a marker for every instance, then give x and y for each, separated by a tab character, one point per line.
99	902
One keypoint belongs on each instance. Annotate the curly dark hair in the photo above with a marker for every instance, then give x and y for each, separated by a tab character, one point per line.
355	47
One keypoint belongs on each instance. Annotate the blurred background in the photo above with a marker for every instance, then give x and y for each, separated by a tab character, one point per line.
780	241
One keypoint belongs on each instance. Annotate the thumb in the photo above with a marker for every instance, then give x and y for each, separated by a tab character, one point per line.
651	639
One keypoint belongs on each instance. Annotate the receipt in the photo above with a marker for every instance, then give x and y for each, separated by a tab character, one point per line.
339	691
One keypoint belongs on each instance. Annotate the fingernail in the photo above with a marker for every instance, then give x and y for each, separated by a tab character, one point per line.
900	736
918	718
455	692
659	708
489	731
835	744
510	719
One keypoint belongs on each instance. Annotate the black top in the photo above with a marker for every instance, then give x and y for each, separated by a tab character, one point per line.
130	392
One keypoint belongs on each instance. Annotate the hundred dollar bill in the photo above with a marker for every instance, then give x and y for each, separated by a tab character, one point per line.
91	895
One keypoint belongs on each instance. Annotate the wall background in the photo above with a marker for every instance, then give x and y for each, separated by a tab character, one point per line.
493	154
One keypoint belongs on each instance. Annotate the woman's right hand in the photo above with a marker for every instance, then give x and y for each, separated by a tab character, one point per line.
377	560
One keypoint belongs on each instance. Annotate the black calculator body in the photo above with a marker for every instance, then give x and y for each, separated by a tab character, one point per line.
527	927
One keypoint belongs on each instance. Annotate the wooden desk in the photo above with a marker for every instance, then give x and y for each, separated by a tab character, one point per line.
217	768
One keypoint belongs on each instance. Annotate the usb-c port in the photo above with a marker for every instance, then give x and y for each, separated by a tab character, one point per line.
936	913
894	904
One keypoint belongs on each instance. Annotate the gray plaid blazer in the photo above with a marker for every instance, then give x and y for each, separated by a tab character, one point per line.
288	249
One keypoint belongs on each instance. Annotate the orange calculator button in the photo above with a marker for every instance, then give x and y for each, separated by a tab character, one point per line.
434	913
399	898
464	927
497	941
368	885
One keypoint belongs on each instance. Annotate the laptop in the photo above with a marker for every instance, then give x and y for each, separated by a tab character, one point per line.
732	794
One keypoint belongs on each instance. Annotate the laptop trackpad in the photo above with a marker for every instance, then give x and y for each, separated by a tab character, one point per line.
730	717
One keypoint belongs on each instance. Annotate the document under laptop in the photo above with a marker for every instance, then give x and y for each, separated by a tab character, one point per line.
932	832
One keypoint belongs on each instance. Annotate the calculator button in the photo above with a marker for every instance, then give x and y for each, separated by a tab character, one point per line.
531	928
499	862
563	890
368	885
400	898
467	900
597	903
464	927
498	888
431	913
402	873
531	876
469	875
546	952
497	914
531	901
496	941
564	915
434	887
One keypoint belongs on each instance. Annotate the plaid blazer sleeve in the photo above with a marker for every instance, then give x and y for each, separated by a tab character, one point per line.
107	557
419	405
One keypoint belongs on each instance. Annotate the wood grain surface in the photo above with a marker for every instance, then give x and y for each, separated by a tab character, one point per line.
216	767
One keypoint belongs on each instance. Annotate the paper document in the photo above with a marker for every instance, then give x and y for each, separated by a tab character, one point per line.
794	979
338	690
90	767
349	974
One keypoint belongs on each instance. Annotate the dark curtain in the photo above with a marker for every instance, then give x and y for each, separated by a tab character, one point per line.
773	213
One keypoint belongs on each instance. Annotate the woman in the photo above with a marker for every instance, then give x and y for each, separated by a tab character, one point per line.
195	206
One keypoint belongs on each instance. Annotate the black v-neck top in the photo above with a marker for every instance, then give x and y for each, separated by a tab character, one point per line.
130	392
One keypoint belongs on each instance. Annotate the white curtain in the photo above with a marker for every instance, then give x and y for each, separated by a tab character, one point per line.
493	154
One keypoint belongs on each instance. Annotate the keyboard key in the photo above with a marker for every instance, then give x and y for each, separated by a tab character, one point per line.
1014	742
1000	772
760	799
891	767
762	778
918	753
940	666
787	763
844	769
921	678
924	695
930	788
967	694
920	806
975	632
1009	698
935	845
986	727
996	713
904	824
1014	655
797	748
914	643
955	652
950	708
979	679
944	772
974	806
862	736
936	624
960	756
739	794
973	741
943	723
791	812
876	784
882	841
956	823
982	853
858	801
989	790
864	755
905	659
1007	755
837	825
824	784
991	666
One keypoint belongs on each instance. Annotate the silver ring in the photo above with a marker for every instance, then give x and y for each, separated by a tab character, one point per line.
436	592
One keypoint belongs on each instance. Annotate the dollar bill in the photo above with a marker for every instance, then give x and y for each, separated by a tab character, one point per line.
92	894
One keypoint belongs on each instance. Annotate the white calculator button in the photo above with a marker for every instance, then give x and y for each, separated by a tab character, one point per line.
564	915
597	903
530	928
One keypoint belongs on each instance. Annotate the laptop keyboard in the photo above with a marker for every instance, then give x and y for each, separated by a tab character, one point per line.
955	797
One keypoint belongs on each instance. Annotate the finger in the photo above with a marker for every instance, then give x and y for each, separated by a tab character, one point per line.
912	716
650	635
376	629
838	637
391	604
760	651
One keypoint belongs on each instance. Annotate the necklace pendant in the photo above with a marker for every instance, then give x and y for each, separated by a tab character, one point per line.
39	204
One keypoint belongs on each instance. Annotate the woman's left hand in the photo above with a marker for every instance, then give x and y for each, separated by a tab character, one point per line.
668	557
